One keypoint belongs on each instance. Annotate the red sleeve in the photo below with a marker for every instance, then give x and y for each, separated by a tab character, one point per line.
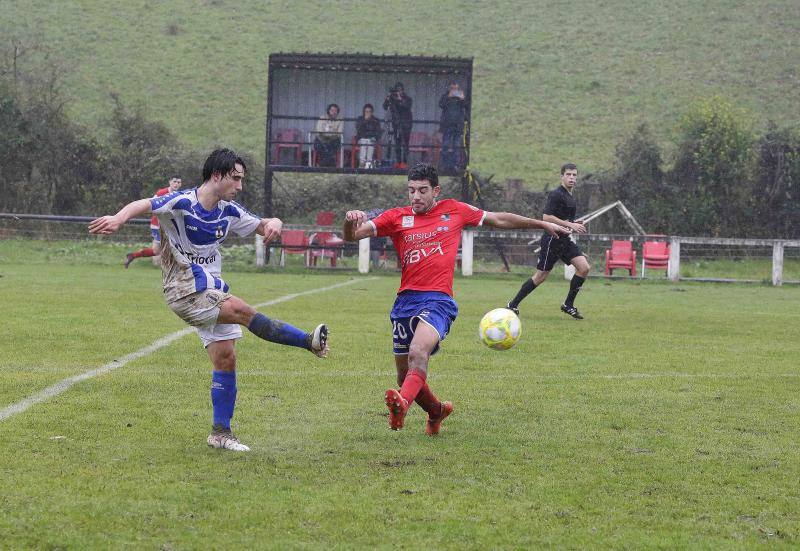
386	222
473	216
162	191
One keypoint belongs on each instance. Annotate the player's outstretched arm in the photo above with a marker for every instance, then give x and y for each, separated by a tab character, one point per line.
270	228
355	226
511	221
109	224
574	226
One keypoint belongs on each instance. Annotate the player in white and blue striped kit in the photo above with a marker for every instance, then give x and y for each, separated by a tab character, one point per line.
193	225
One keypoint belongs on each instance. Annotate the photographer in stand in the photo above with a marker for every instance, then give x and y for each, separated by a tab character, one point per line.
399	106
451	125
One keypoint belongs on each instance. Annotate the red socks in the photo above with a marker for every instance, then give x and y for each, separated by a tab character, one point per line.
412	385
428	401
416	389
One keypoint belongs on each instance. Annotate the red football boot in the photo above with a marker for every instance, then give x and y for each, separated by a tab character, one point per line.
398	406
433	424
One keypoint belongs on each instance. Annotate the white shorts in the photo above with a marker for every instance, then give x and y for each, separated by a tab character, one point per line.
219	332
201	310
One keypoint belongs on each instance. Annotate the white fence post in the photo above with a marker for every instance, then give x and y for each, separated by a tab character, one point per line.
363	255
467	244
777	263
674	266
260	250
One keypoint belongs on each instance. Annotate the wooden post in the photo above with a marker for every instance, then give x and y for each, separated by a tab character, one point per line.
467	243
674	267
363	255
777	263
260	250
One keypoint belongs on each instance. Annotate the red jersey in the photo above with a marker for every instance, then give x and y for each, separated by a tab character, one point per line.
427	243
154	218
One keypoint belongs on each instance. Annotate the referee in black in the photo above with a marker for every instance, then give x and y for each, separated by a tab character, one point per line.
560	209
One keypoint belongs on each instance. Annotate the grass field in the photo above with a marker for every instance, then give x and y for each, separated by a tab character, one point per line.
553	80
667	418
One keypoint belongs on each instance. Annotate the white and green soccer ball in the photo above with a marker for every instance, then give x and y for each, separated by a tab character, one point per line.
500	329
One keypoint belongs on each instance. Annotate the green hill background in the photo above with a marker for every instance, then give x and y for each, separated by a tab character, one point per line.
553	81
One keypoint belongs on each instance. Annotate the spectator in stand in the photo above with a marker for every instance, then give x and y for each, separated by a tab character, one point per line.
451	125
328	140
399	106
368	132
154	251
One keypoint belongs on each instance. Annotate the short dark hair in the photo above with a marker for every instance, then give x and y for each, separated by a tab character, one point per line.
175	177
328	109
424	171
222	161
367	105
568	166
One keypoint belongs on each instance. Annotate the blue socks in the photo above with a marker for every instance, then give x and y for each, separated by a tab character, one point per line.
223	397
278	331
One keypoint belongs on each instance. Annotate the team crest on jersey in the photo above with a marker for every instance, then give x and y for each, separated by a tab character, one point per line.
445	217
442	228
219	233
408	221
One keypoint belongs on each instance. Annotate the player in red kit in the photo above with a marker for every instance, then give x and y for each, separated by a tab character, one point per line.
426	235
174	185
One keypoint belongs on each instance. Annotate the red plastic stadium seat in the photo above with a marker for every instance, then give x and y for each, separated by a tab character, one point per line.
288	139
325	239
655	254
621	255
294	242
325	218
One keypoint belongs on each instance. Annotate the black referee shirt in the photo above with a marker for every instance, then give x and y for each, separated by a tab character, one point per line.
561	204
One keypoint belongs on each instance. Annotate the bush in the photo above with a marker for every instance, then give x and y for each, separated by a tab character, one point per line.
713	169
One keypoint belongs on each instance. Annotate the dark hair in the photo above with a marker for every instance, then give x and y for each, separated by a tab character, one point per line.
222	161
568	166
175	177
365	108
328	109
424	171
452	82
399	86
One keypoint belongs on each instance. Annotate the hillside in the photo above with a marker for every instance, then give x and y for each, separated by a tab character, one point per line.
553	80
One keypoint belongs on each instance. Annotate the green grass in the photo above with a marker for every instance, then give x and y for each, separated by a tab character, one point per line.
554	81
668	418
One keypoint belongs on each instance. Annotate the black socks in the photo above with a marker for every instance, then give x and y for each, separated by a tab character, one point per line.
526	289
574	287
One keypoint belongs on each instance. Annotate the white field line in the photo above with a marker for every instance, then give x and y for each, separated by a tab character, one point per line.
65	384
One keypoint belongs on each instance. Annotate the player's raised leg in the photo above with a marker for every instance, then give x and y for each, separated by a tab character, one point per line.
419	352
581	273
223	395
235	310
141	253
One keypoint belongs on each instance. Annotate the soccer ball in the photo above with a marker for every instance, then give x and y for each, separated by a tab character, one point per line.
500	329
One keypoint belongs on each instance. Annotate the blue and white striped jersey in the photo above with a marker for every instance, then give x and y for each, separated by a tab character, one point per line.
190	239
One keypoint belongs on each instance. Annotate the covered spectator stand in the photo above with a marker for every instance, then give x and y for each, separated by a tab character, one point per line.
302	86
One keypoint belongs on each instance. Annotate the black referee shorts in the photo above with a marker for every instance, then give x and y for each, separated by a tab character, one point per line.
555	249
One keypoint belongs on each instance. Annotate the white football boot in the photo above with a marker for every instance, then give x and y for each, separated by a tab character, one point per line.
319	340
224	439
